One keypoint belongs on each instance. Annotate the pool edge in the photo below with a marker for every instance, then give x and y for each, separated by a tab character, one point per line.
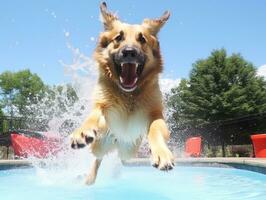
10	164
250	164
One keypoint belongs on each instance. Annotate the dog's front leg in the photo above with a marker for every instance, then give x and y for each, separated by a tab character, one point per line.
93	172
158	135
93	126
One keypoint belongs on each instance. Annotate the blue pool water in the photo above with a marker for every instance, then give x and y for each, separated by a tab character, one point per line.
139	183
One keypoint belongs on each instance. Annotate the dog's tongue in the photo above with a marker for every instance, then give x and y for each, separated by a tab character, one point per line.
128	74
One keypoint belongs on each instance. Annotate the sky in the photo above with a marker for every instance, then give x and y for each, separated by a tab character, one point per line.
34	34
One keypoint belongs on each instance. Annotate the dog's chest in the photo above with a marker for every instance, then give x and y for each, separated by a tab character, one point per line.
127	128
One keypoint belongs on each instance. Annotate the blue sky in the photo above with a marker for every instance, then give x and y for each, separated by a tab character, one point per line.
32	33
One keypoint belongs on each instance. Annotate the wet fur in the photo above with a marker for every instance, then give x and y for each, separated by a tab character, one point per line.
119	120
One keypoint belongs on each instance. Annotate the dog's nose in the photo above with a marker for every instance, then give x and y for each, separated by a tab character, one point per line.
129	52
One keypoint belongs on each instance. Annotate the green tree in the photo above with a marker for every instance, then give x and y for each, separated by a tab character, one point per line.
61	98
1	113
58	103
19	89
219	88
24	94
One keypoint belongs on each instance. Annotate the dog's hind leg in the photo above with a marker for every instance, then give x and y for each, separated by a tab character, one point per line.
93	172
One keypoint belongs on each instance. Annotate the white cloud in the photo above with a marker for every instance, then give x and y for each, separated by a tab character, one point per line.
262	71
166	84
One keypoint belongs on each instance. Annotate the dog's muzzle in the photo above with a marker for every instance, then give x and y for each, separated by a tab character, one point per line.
129	63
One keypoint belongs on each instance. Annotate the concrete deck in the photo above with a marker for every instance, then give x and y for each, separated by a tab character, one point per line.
252	164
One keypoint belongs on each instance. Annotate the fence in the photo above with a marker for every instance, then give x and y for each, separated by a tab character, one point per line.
8	123
224	133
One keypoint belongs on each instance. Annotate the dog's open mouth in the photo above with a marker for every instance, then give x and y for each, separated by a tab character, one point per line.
129	63
128	75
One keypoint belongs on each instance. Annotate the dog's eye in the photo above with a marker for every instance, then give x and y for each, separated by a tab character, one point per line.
119	37
141	39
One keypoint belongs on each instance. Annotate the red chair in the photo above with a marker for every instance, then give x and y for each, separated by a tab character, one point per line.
193	147
259	144
31	145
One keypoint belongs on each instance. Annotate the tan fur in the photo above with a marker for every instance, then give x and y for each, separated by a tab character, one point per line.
121	119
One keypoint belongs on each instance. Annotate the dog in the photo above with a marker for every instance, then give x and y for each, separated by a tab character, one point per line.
127	98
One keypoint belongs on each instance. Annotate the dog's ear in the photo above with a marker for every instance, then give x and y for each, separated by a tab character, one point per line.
154	25
108	18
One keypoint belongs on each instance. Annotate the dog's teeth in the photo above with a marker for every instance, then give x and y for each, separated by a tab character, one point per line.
121	79
137	65
135	81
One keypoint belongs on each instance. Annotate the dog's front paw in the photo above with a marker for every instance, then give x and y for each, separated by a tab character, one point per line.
163	159
81	138
90	180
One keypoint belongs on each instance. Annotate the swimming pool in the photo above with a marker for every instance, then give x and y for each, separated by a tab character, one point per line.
184	183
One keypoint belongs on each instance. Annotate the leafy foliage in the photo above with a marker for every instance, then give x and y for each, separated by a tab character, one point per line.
25	91
56	101
219	88
24	96
20	89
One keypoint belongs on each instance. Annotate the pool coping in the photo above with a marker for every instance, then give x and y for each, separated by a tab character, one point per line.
245	163
251	164
258	162
9	164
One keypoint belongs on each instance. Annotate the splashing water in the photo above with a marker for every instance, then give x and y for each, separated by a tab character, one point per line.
71	165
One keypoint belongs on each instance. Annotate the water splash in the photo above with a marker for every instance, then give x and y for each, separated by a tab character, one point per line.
65	168
70	165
